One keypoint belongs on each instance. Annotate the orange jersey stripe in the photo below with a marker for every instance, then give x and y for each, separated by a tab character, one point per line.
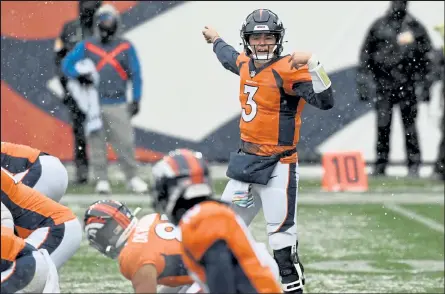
18	150
11	245
18	158
29	208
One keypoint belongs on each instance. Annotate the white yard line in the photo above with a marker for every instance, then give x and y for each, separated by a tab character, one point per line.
304	198
416	217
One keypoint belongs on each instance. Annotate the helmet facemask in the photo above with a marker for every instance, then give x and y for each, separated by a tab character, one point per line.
169	191
265	51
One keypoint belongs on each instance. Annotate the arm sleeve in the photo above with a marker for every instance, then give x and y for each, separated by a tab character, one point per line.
323	100
135	73
227	55
70	60
219	268
366	64
60	50
424	74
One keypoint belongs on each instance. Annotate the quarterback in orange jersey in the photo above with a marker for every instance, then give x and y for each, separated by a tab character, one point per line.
148	250
24	269
274	89
42	222
36	169
218	250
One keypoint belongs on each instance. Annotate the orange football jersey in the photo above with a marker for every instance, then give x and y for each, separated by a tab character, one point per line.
210	221
11	244
155	241
271	111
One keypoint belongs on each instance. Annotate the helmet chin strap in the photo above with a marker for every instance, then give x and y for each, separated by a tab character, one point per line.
263	59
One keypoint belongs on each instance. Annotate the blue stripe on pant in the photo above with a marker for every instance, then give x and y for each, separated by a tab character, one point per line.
33	174
291	191
48	238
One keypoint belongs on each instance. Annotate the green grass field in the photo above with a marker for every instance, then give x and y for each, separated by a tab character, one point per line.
388	240
387	184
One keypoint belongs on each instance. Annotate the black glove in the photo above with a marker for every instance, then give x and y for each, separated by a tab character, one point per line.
364	86
362	93
423	94
133	108
363	97
85	79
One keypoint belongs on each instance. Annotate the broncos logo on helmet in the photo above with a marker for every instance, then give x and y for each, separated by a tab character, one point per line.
107	225
262	21
179	177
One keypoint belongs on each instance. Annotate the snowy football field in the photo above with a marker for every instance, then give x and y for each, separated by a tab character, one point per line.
381	241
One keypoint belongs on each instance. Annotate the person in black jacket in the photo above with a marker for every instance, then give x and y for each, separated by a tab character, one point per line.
393	70
73	32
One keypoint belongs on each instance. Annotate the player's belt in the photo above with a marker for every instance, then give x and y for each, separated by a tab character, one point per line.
254	149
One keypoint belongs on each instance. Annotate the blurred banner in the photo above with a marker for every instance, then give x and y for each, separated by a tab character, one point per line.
189	100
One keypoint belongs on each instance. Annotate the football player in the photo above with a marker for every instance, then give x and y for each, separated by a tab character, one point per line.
42	222
274	89
148	250
36	169
218	250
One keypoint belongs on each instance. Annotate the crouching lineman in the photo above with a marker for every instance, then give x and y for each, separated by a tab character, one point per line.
24	269
219	251
148	250
42	222
39	170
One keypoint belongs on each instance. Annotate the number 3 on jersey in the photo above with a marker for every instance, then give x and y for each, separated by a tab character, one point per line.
250	91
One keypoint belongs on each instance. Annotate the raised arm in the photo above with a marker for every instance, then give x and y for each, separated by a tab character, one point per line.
225	53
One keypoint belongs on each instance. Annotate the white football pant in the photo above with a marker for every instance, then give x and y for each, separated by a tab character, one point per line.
279	202
61	241
47	175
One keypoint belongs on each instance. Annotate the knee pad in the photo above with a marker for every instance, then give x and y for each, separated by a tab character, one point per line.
70	243
38	282
52	280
